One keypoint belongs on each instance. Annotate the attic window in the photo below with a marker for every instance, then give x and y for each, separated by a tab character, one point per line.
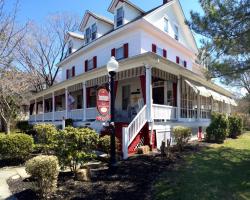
176	32
94	31
70	46
166	25
88	35
119	17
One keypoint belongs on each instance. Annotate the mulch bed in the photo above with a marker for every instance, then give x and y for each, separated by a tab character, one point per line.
131	180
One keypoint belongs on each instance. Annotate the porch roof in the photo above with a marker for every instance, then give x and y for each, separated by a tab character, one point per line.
148	58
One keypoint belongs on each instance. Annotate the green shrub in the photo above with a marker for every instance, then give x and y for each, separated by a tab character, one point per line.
45	170
45	134
181	136
15	146
235	126
217	131
24	126
104	144
69	122
74	146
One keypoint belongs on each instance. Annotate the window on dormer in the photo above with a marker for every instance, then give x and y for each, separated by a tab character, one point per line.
94	31
119	17
88	35
176	32
70	46
166	25
119	53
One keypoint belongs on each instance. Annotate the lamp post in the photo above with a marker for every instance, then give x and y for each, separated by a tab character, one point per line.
112	67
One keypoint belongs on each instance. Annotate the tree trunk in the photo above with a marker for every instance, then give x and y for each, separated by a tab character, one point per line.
6	125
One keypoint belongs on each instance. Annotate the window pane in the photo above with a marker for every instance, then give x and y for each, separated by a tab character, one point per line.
90	64
176	33
88	35
119	17
165	25
119	54
92	98
94	31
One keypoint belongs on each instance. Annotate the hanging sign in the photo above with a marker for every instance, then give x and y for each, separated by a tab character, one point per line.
103	104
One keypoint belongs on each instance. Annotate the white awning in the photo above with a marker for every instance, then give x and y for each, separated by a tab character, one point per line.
216	96
201	90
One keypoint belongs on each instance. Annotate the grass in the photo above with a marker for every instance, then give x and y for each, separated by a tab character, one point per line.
217	173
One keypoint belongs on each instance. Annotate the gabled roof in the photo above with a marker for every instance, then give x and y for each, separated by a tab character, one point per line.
98	17
76	35
115	2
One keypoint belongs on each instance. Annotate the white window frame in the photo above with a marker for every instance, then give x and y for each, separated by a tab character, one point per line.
122	17
90	64
88	35
121	51
176	36
94	31
165	19
70	47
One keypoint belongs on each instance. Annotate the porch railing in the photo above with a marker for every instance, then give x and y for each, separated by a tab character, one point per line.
130	132
59	115
48	116
91	113
205	114
32	118
163	112
76	114
39	117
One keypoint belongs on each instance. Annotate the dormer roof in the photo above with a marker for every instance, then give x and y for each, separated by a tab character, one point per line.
114	3
75	35
88	14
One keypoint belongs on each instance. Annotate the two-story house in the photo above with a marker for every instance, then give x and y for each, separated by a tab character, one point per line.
159	84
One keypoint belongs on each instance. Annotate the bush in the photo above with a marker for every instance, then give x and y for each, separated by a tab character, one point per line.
104	144
15	146
69	122
45	170
24	126
235	126
45	134
75	146
181	136
217	131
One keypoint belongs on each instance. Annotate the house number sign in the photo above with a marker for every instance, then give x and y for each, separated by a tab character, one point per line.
103	104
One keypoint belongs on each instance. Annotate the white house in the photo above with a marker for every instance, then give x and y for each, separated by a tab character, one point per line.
159	84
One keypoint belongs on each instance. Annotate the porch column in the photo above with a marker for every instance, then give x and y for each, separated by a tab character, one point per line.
149	92
66	103
35	109
53	106
198	106
43	108
84	103
178	116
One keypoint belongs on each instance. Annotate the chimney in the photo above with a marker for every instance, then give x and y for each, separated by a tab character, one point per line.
165	1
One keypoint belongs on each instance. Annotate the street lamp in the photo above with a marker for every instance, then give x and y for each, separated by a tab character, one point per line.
112	67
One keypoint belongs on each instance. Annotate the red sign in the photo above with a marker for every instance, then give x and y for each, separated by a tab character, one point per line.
103	104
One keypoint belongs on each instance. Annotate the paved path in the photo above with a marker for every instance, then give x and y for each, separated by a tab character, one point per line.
5	174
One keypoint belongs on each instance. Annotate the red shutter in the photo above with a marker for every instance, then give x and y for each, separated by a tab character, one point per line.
113	52
125	47
73	71
67	74
154	48
185	64
177	60
164	53
95	62
86	65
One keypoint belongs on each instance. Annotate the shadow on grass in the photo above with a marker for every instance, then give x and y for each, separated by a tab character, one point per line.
215	173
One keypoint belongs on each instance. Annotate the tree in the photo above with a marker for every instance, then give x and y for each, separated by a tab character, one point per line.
44	46
14	87
225	27
10	34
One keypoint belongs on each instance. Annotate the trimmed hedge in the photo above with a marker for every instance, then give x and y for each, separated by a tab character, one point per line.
217	131
45	170
235	126
104	144
181	136
15	146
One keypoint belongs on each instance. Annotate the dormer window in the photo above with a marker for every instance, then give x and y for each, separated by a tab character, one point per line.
176	32
70	46
166	25
119	17
88	35
94	31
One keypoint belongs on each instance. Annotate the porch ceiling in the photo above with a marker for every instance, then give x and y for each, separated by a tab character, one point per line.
134	62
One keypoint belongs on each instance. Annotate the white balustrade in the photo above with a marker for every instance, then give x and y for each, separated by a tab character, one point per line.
91	113
48	116
163	112
59	115
76	115
39	117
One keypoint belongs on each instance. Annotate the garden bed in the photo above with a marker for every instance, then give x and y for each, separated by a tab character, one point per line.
131	180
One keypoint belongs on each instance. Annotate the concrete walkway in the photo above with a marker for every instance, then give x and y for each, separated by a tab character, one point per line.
5	174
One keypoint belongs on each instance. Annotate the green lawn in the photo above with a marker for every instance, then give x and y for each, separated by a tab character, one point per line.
217	173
